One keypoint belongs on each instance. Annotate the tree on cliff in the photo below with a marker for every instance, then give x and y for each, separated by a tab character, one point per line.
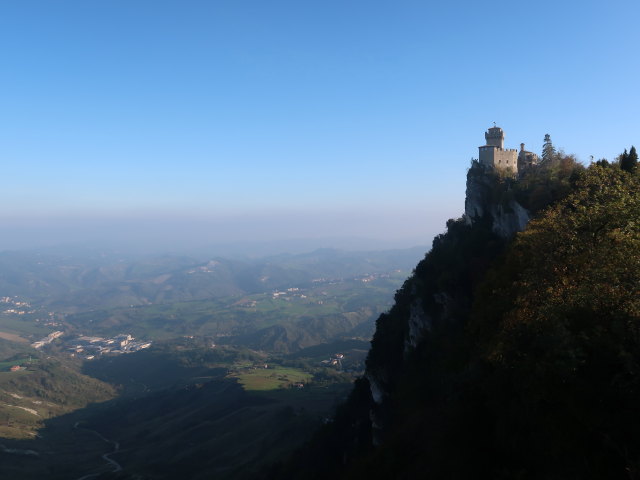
548	150
559	327
629	161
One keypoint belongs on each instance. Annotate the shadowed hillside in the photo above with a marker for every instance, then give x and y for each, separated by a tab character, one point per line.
506	359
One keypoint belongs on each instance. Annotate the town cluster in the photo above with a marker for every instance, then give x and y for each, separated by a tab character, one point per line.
16	306
289	292
89	348
21	307
335	359
374	276
47	340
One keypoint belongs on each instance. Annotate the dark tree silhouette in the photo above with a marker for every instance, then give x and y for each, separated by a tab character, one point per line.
548	150
629	161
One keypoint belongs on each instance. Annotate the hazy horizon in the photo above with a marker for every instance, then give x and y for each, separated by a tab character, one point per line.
247	235
171	125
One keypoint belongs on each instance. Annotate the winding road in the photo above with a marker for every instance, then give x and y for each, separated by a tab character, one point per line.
116	467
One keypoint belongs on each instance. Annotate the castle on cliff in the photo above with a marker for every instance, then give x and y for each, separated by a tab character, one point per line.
493	155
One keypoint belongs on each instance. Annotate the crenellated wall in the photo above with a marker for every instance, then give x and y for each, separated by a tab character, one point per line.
499	158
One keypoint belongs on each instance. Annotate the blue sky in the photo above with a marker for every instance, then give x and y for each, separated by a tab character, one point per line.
216	121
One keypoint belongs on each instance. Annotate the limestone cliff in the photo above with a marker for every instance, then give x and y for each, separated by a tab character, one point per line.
419	364
439	294
488	199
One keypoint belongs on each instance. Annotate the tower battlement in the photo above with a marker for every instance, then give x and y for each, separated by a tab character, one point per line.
494	137
493	155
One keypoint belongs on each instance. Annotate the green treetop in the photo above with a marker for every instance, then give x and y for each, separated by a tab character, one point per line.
548	150
629	161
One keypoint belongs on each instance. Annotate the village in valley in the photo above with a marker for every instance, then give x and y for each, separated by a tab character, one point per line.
49	330
88	347
82	346
92	347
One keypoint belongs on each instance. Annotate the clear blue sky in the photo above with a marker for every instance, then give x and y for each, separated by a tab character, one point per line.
214	121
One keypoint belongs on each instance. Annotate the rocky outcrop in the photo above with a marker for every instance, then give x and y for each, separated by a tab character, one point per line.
377	392
508	219
424	384
419	323
439	295
488	199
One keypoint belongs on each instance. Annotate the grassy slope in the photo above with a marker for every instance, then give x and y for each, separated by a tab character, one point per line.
271	378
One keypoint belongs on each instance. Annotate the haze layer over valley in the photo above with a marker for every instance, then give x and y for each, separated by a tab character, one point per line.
96	345
268	241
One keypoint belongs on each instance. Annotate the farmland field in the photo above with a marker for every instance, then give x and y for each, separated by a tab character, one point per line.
271	378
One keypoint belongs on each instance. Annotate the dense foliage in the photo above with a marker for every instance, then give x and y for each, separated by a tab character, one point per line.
548	150
629	161
527	370
559	327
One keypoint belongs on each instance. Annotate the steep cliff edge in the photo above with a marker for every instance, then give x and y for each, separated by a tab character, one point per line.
435	302
430	401
485	198
424	328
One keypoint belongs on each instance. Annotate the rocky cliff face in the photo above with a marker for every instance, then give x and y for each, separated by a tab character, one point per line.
485	200
438	296
423	386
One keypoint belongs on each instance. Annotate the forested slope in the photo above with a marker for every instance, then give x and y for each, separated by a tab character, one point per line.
506	358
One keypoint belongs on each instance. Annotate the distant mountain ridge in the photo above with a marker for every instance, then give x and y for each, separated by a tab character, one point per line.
76	284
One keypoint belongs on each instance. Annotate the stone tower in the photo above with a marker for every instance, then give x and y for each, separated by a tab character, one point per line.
494	155
494	137
526	159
